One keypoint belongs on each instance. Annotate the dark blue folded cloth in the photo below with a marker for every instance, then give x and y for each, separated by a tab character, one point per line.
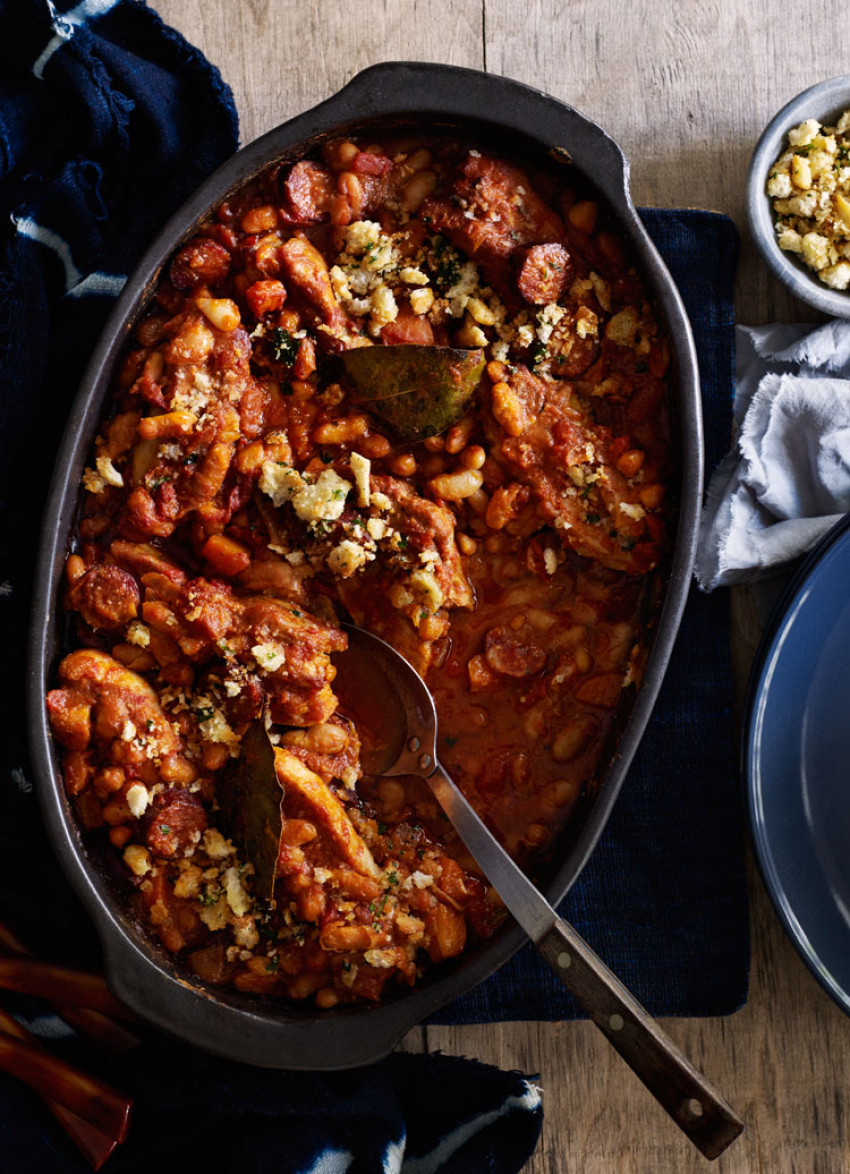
406	1115
108	119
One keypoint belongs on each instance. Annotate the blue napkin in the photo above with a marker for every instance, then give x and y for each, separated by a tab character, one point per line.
108	120
406	1115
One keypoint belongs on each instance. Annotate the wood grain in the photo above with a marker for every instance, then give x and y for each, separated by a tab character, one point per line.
685	88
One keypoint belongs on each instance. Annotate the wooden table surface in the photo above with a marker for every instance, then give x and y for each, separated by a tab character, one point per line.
685	88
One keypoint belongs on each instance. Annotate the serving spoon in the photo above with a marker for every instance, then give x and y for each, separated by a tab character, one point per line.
393	703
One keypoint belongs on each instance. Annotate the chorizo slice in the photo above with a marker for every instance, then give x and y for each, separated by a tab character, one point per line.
511	656
105	596
544	273
176	823
307	192
200	262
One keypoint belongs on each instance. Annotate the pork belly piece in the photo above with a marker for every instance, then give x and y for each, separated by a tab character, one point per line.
259	636
544	437
101	701
197	381
308	796
490	211
307	273
405	600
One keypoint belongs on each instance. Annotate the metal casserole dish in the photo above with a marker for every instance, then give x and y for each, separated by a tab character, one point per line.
391	96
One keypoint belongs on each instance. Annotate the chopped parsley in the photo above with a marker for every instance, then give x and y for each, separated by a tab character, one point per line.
164	829
537	353
449	263
272	964
593	519
377	910
382	829
155	482
451	742
204	713
284	347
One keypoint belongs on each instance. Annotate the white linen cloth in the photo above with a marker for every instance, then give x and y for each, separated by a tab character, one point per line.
786	480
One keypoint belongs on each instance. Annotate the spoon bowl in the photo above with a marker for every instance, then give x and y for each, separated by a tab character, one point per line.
389	702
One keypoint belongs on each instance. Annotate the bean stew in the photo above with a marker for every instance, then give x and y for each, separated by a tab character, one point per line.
414	383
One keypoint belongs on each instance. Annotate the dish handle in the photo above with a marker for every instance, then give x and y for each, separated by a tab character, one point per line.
246	1032
431	90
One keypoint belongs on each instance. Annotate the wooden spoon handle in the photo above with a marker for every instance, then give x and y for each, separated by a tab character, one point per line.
697	1108
95	1146
98	1104
94	1024
60	984
99	1028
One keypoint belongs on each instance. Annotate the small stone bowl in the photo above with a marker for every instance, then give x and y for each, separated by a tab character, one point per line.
825	102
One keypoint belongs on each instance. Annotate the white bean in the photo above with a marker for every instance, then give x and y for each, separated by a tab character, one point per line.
457	486
417	188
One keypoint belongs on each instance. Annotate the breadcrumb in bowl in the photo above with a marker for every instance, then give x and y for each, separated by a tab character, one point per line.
798	196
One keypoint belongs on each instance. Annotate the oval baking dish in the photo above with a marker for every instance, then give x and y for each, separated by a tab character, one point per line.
391	97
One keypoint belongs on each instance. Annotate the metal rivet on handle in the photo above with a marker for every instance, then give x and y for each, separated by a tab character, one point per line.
564	960
616	1022
425	761
692	1108
413	745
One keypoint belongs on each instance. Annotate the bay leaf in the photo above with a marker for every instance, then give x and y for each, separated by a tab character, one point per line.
419	391
250	797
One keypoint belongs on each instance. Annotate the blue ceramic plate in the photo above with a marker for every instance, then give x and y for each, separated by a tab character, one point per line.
797	761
